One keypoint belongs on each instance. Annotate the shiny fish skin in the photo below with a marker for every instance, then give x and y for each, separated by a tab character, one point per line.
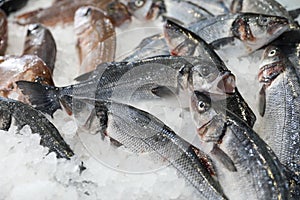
282	107
96	38
246	167
185	43
26	67
240	34
139	131
38	123
64	11
39	41
3	33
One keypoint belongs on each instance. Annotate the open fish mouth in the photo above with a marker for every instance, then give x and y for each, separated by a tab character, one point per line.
203	129
269	72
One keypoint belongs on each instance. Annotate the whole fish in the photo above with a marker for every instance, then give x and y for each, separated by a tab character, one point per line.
240	34
25	115
267	7
3	33
9	6
280	107
96	38
26	67
141	132
183	42
245	165
64	11
39	41
127	82
154	45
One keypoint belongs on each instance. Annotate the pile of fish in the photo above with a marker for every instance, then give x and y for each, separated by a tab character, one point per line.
181	67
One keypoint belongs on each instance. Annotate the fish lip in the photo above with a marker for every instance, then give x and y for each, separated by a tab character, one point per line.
278	26
274	69
203	129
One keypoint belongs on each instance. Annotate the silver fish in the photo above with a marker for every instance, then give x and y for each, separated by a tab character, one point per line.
245	165
38	123
280	107
141	132
40	42
240	34
183	42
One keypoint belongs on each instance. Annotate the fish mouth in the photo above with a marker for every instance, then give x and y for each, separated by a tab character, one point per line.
278	26
157	8
203	129
269	72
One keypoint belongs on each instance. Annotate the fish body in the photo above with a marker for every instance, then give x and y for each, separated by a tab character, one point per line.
280	106
3	33
25	115
64	11
96	38
141	132
26	67
40	42
240	34
183	42
245	165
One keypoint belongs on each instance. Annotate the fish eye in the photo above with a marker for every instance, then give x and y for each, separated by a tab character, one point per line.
272	53
202	106
139	3
262	21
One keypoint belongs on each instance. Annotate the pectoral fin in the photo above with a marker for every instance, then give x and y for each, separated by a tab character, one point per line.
222	157
262	101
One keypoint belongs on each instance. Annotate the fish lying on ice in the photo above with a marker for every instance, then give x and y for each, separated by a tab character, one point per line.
280	106
40	42
183	42
246	167
96	38
38	123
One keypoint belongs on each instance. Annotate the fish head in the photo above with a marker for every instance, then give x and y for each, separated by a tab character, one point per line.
205	76
272	64
118	13
82	18
208	120
256	30
146	9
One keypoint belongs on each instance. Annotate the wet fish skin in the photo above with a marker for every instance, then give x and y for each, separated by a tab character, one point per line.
96	38
146	9
183	42
61	12
38	123
240	34
141	132
257	173
282	88
26	67
39	41
3	33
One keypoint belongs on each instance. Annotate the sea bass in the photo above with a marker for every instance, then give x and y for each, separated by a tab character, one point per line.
239	34
38	123
141	132
183	42
131	81
96	38
280	106
245	165
40	42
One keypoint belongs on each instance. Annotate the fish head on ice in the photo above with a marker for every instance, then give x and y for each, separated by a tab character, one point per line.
256	30
272	64
208	120
118	13
146	9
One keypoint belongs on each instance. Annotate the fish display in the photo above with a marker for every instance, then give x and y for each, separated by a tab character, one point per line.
38	123
240	156
279	105
96	38
40	42
182	99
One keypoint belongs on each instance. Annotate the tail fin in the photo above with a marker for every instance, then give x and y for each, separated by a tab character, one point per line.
43	97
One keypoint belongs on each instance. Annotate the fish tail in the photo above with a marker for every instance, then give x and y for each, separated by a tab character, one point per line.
43	97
